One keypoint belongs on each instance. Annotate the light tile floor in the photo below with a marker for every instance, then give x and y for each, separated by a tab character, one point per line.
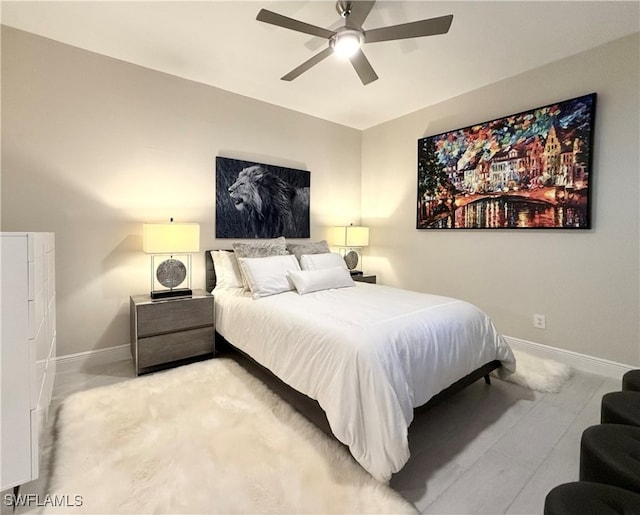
487	450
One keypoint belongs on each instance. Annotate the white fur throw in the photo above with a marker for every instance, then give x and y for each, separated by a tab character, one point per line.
204	438
542	375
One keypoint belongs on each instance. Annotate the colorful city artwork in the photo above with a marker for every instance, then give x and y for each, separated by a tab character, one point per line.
530	170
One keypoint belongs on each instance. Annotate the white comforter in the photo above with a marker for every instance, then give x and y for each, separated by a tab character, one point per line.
368	354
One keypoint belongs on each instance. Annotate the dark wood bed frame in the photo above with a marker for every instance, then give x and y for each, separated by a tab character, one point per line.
482	372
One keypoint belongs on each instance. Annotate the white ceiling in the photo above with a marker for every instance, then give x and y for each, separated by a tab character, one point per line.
220	43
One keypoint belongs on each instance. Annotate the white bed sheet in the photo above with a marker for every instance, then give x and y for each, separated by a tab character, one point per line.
368	354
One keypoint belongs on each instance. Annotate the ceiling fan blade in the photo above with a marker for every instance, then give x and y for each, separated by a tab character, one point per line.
315	43
359	12
363	67
415	29
308	64
289	23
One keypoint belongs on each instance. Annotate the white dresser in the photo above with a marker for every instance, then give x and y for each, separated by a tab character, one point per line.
28	345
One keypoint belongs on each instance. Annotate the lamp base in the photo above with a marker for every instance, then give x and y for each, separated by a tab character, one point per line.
170	294
351	259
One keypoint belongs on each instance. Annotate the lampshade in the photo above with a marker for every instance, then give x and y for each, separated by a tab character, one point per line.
170	238
349	236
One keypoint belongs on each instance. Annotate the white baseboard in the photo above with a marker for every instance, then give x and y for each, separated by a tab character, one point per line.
582	362
80	360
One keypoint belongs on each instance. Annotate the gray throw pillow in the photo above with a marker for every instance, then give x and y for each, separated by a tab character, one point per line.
257	249
261	248
311	247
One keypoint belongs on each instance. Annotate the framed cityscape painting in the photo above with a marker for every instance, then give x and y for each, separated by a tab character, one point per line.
255	200
530	170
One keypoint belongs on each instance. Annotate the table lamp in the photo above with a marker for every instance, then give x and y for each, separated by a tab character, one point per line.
170	245
350	239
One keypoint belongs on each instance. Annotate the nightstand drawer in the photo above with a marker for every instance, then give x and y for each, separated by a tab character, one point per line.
166	317
158	350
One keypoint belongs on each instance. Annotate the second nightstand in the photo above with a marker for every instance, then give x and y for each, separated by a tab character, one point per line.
167	331
364	278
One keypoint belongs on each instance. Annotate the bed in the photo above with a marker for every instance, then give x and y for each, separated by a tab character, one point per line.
368	354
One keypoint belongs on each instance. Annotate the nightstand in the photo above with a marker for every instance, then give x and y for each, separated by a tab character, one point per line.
364	278
167	332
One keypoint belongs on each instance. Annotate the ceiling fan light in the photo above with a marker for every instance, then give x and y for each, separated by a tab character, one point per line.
347	43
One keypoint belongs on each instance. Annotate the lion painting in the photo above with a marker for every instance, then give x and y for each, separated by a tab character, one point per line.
270	206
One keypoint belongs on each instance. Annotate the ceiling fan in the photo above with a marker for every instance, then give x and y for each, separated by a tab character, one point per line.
347	40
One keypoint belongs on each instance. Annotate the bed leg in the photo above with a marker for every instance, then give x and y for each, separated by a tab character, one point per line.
487	379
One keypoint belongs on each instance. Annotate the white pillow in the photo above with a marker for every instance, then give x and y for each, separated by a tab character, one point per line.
318	261
227	270
268	275
307	281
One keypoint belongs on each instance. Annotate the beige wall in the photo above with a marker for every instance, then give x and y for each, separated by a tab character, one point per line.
92	147
585	282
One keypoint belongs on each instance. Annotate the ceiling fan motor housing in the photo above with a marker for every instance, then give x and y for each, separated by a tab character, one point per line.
344	7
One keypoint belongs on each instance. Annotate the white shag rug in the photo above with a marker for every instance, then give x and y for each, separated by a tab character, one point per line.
542	375
204	438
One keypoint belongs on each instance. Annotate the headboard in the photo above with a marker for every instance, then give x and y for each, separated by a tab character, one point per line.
210	277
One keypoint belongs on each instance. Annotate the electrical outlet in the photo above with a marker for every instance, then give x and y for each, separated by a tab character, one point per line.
540	321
